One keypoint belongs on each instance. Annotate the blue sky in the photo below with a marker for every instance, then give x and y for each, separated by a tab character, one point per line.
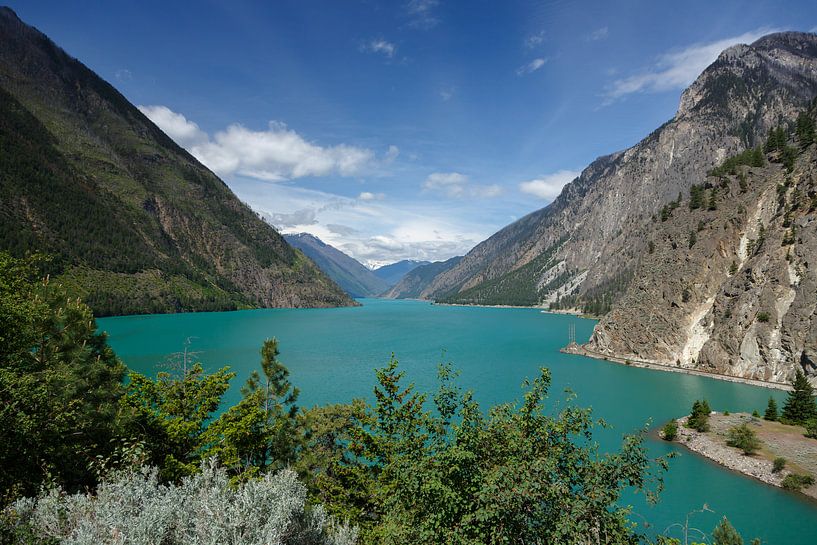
404	128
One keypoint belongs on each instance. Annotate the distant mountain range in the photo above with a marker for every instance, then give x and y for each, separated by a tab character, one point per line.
356	279
622	240
136	224
352	276
394	272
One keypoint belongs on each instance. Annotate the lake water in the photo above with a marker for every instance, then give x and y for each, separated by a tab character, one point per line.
331	354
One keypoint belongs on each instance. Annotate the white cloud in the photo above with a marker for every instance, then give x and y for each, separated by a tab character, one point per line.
531	67
454	184
369	196
677	69
535	39
422	13
381	46
278	153
184	132
549	186
373	232
598	34
447	93
123	74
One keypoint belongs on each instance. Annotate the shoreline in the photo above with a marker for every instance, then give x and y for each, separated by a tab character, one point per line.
543	309
755	467
644	364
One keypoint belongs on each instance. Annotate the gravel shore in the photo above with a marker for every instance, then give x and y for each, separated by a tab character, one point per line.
712	444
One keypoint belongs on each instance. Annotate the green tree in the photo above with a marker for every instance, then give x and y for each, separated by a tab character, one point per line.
59	384
699	416
805	130
725	534
771	410
713	199
515	474
670	430
744	438
171	414
263	430
800	406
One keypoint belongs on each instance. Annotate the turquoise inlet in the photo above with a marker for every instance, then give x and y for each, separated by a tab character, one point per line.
331	354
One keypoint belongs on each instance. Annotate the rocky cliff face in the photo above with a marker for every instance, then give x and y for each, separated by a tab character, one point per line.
729	287
593	228
135	222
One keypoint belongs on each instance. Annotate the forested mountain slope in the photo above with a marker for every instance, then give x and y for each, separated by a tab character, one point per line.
136	224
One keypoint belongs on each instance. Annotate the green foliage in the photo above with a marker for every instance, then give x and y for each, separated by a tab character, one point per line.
59	385
805	130
763	317
811	428
771	410
670	430
744	438
796	482
733	268
697	194
777	145
172	413
778	464
262	431
699	417
713	199
457	475
517	287
750	157
800	406
725	534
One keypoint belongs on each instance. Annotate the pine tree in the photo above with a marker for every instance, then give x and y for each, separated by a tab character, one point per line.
800	405
699	417
771	410
725	534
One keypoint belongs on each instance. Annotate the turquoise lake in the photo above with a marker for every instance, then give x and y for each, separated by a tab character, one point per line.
331	354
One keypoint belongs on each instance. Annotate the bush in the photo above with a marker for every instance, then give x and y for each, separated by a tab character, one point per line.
811	428
763	317
204	508
797	482
670	430
778	464
744	438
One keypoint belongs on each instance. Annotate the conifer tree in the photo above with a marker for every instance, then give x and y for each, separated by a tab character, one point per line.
800	405
771	410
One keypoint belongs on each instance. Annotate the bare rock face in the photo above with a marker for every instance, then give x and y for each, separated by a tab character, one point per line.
730	290
597	218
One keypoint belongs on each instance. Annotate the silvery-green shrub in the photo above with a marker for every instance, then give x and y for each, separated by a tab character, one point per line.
134	508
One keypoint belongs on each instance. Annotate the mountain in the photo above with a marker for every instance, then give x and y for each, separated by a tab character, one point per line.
413	282
348	273
585	238
585	249
136	224
728	282
393	272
